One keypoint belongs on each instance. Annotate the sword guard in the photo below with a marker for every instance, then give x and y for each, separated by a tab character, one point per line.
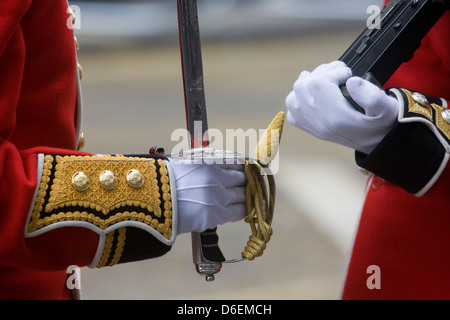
207	256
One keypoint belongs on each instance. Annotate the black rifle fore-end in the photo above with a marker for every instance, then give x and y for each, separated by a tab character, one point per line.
380	49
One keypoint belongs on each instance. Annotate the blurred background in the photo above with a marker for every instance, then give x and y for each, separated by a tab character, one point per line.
253	51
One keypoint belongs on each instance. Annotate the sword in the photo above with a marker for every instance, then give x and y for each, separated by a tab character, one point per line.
206	253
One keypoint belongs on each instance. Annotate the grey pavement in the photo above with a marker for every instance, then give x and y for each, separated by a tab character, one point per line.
133	99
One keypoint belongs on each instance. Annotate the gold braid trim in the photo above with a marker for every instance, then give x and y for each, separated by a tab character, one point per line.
120	246
43	187
57	200
165	229
109	244
106	249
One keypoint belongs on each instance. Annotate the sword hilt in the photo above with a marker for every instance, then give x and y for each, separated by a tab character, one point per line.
206	253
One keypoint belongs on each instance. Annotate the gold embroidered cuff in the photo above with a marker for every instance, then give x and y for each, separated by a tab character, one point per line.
104	194
416	150
431	111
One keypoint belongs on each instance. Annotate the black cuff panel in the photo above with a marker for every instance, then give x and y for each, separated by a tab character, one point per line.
409	156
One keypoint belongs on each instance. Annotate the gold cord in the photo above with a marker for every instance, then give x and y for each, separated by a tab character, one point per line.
256	194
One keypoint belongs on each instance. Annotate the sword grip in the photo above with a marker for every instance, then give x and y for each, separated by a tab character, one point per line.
206	253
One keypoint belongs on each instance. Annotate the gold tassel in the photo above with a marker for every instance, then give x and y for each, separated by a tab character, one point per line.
269	143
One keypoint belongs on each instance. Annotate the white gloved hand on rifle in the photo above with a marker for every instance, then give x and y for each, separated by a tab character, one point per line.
208	194
316	105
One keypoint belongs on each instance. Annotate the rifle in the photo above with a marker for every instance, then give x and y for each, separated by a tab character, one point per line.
379	51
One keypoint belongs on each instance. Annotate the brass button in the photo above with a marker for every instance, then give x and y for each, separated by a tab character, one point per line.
72	15
80	71
81	142
108	179
446	115
420	99
80	181
135	178
77	45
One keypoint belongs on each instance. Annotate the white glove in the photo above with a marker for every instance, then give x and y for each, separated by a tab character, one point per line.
317	106
208	194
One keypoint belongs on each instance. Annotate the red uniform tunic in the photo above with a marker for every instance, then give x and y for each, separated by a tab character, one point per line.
37	109
38	116
406	236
